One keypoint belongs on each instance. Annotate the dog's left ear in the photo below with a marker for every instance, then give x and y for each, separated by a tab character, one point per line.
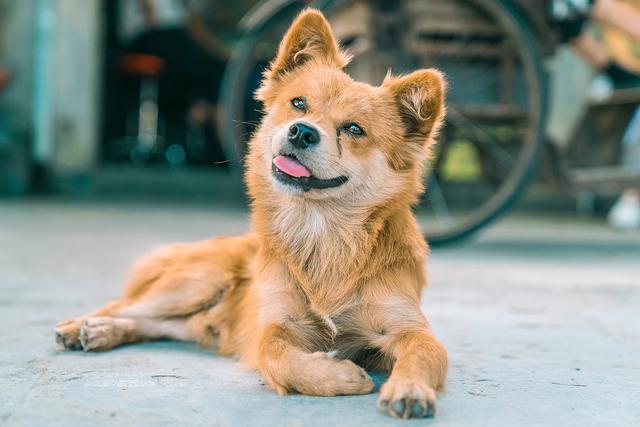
419	97
309	38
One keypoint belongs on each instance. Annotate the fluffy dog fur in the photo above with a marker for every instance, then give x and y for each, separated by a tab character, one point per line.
330	281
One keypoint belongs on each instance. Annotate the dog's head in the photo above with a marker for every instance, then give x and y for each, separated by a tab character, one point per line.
327	136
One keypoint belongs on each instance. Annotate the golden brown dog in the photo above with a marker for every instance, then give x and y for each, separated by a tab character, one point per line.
331	279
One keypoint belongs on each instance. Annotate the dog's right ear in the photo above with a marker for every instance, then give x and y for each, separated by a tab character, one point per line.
309	38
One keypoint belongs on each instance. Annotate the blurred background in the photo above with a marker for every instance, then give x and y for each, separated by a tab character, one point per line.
152	99
123	126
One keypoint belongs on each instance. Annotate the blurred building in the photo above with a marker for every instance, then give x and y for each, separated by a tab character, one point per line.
50	108
93	88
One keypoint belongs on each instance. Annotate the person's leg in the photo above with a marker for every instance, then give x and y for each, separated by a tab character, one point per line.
625	214
621	14
592	50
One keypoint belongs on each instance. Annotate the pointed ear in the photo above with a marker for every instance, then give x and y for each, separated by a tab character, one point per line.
309	37
420	100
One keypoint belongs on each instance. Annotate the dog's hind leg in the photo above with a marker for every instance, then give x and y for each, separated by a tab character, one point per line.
177	281
104	333
68	331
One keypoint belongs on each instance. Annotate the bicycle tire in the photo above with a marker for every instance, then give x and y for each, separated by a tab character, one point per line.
506	13
513	17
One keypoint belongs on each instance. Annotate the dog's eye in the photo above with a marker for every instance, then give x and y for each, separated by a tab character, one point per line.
299	104
354	129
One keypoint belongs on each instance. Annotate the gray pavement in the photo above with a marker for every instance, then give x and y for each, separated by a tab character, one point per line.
541	318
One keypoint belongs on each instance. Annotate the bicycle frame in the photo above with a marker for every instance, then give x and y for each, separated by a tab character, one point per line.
537	38
260	20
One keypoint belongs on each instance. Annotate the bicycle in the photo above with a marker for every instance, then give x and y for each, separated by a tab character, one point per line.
492	51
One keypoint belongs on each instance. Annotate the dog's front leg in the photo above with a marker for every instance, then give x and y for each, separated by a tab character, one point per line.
289	368
288	344
419	370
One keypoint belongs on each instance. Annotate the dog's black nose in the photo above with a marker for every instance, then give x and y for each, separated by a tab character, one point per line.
302	135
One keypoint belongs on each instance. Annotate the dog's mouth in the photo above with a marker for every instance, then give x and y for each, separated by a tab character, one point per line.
289	170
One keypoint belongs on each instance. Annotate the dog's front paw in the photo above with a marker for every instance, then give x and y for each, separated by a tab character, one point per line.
339	377
403	398
319	374
68	334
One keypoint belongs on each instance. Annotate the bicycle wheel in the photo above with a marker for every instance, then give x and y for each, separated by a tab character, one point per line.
488	150
240	112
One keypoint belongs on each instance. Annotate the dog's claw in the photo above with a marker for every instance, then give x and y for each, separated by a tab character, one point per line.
407	399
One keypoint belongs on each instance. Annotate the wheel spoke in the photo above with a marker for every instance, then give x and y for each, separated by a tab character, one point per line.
438	202
487	142
492	134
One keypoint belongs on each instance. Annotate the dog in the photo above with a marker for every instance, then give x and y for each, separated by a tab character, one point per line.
329	281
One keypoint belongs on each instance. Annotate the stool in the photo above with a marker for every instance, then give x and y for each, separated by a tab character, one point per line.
148	68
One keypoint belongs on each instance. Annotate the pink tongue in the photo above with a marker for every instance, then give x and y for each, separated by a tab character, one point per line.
291	166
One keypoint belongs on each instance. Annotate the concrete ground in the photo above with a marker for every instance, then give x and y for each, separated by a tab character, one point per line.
541	318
